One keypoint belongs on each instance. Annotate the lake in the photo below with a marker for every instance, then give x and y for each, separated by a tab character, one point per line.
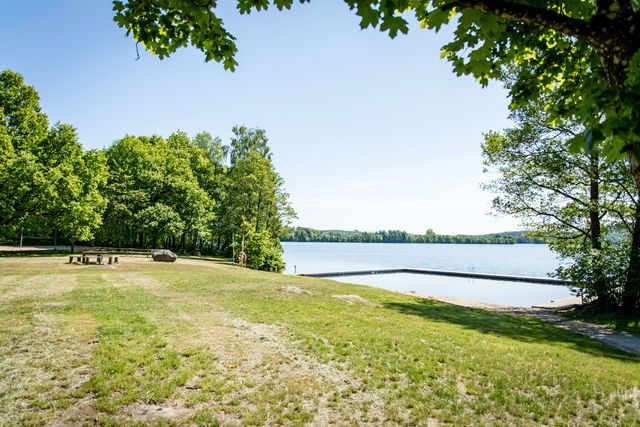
520	260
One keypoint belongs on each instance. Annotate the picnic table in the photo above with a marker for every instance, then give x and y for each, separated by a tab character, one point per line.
127	251
86	256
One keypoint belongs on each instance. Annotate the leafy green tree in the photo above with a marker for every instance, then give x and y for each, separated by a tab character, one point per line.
159	220
554	44
47	181
572	200
174	179
254	192
245	140
264	252
80	203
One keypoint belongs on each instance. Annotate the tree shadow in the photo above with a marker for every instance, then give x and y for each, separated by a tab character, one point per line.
520	328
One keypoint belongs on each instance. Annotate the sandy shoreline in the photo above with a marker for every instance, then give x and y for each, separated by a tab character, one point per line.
498	307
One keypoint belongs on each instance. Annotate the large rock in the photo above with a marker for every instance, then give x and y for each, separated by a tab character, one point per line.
164	255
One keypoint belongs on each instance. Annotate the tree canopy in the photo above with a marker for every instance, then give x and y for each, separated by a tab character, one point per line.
581	204
586	52
47	181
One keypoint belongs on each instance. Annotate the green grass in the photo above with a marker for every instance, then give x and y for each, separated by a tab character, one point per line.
617	320
221	345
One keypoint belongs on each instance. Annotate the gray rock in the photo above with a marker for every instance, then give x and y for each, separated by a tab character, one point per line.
164	255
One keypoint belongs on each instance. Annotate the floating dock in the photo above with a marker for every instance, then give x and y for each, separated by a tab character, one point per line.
470	275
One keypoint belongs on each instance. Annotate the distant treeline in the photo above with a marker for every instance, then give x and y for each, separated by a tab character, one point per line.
304	234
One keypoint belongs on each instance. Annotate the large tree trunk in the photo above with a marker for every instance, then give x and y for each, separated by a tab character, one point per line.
599	282
631	293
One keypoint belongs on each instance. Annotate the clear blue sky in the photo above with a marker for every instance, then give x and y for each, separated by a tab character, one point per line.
369	133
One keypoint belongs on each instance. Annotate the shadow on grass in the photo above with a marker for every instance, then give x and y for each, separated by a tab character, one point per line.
34	253
524	329
618	320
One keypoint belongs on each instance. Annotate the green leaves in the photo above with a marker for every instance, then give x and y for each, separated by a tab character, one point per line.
635	5
47	180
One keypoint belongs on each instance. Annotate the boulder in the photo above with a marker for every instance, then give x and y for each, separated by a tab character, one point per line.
164	255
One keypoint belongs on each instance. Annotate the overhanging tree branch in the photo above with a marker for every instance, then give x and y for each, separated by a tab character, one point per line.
577	28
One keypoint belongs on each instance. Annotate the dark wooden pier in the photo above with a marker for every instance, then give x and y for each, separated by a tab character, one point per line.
485	276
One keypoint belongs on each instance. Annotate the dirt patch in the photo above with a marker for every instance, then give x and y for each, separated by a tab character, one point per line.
265	361
40	286
212	263
350	299
49	364
141	412
139	280
294	289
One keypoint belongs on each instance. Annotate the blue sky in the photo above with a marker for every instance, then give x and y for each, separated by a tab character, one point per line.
369	133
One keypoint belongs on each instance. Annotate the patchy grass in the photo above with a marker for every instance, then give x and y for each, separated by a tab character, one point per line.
197	342
620	321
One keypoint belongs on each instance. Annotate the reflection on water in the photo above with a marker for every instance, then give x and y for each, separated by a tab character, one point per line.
519	260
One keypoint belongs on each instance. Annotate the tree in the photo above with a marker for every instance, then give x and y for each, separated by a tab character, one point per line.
162	189
245	140
556	43
47	181
254	192
576	202
264	252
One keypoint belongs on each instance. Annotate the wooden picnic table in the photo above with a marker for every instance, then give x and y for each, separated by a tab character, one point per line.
86	256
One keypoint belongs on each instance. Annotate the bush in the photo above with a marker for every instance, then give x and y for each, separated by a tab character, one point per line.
263	252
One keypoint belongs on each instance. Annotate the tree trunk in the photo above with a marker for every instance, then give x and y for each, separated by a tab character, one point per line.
631	293
73	246
600	286
183	239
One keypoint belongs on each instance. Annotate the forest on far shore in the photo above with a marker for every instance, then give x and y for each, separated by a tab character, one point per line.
305	234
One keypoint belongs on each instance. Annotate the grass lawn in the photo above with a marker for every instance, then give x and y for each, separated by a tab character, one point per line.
197	342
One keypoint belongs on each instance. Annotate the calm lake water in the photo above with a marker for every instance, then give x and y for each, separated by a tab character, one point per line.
520	260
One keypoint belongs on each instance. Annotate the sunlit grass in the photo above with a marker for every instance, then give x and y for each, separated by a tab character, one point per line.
218	344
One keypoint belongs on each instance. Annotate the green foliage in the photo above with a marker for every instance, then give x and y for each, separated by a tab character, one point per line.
245	140
304	234
48	182
575	201
162	188
598	274
582	51
141	191
263	251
